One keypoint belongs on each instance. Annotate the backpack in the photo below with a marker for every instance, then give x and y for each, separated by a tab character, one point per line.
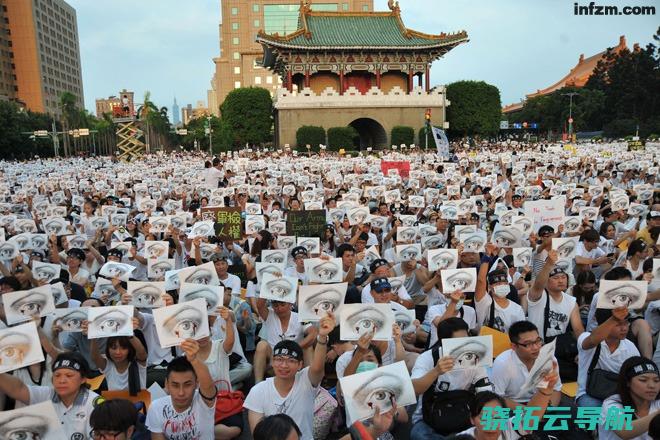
446	412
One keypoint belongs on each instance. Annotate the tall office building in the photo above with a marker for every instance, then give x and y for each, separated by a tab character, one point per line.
237	66
40	39
176	119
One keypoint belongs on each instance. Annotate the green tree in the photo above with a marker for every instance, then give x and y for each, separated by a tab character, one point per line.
310	134
342	137
402	135
247	113
421	136
157	126
475	108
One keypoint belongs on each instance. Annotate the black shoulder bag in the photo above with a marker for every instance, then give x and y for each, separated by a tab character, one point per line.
446	412
565	349
601	384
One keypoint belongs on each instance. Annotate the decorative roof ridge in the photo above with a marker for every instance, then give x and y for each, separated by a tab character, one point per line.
442	36
313	13
304	11
277	37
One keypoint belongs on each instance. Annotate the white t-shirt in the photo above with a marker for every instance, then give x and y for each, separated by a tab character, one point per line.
75	419
272	331
195	423
156	354
233	282
559	315
615	401
452	380
218	364
509	375
292	271
264	399
581	251
606	361
469	316
119	381
503	317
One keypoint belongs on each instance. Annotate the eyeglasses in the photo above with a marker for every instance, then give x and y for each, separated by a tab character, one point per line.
285	360
104	435
538	342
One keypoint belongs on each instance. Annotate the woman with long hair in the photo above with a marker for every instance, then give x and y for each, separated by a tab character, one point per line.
638	388
124	363
637	252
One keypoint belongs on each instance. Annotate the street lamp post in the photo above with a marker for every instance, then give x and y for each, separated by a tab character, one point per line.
208	131
570	113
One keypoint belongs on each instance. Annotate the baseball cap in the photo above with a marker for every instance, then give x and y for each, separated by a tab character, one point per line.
76	253
498	276
299	250
380	284
378	263
116	252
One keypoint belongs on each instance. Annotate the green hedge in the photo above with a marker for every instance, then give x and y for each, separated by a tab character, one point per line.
310	134
402	135
341	137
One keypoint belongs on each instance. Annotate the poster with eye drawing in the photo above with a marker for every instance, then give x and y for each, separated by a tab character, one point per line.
278	288
254	223
203	274
358	319
213	295
459	279
271	268
113	269
473	241
315	301
405	234
109	321
202	229
542	366
405	319
59	294
172	279
441	259
146	294
156	250
274	256
506	236
312	244
70	319
20	347
565	247
22	305
656	268
614	294
522	256
379	387
156	268
103	287
324	271
408	252
178	322
45	271
471	352
38	421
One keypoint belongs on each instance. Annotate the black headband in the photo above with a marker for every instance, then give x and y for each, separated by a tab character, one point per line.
642	368
283	351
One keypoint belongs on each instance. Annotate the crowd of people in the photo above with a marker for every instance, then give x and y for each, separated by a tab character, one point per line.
265	373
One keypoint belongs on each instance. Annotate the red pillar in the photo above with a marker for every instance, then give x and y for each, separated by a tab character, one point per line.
428	78
410	81
341	82
307	78
378	78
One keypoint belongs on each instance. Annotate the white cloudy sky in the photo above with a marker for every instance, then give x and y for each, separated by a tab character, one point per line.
166	46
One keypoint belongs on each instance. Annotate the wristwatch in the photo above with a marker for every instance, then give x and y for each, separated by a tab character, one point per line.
318	339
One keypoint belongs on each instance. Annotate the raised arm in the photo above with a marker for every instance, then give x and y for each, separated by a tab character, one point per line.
317	367
602	331
207	388
14	388
228	316
541	280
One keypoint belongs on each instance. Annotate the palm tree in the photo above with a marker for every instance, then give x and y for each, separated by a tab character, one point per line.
68	112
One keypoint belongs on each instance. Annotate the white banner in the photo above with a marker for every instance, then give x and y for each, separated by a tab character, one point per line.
441	142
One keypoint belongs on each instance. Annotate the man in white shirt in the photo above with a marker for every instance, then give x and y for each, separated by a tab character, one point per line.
293	389
440	374
609	340
214	174
227	279
279	323
511	368
189	410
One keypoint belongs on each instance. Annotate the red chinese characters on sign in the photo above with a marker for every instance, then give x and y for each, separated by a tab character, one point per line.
403	166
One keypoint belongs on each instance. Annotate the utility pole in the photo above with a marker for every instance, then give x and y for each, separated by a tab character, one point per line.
570	113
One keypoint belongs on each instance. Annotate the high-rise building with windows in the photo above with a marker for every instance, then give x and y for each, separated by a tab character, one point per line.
240	54
39	53
176	117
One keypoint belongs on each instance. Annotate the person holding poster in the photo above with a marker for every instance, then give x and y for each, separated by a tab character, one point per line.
293	389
